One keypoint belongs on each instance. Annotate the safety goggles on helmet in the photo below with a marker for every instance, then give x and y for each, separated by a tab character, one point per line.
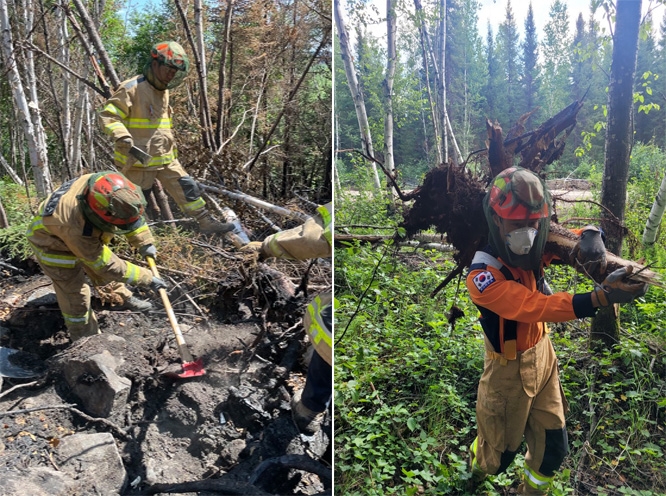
114	198
171	54
518	194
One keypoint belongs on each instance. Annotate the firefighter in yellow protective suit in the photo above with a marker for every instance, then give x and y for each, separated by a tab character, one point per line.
519	394
138	115
70	236
312	239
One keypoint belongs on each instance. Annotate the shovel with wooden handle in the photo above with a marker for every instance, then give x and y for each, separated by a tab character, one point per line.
191	367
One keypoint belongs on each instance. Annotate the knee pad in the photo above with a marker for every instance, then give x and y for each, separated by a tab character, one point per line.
190	188
555	450
506	460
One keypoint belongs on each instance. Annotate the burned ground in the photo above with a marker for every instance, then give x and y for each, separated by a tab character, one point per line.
229	431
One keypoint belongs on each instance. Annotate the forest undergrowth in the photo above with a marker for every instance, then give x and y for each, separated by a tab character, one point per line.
408	364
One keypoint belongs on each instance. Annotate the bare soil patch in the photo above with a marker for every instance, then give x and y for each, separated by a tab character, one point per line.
230	431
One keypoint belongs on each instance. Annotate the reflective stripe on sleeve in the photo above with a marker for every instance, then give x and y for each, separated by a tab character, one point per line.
318	331
101	261
327	217
132	273
194	206
112	109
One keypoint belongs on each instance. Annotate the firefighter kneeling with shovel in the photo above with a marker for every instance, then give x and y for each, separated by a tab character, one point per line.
70	237
519	392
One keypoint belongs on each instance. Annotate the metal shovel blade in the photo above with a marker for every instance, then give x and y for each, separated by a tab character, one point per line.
20	364
189	369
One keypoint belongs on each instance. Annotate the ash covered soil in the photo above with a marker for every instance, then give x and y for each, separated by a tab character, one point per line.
107	416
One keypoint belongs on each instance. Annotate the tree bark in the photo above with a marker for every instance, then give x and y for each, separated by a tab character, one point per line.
357	94
605	326
392	30
97	42
38	156
221	133
656	214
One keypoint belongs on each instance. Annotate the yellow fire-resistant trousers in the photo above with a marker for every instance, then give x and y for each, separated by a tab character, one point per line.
517	398
73	295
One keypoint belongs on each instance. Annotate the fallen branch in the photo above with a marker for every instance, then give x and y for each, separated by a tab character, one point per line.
561	243
298	462
18	386
11	267
209	485
415	243
251	200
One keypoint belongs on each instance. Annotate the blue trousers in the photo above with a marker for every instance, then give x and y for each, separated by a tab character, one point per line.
318	384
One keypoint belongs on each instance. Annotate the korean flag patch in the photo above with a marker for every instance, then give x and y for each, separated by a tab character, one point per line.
482	280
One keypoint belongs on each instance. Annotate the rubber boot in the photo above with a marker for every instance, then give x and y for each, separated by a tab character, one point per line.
136	305
307	421
208	225
478	475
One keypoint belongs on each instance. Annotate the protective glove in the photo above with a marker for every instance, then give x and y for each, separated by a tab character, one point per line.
617	288
123	145
156	284
590	250
148	251
252	247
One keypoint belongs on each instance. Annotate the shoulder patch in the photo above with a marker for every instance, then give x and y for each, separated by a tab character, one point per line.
482	280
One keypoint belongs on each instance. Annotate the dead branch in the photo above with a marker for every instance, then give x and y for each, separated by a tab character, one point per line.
251	200
298	462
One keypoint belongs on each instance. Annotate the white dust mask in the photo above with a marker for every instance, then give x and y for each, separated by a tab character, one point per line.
521	240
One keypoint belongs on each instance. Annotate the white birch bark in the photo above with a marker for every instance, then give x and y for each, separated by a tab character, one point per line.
63	54
442	77
38	156
357	95
392	30
656	214
80	111
12	173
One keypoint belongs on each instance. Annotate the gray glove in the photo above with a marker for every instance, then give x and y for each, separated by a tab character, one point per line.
148	251
156	284
123	145
618	288
590	250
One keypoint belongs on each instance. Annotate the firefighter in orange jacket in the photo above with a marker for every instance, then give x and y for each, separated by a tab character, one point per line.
70	236
138	114
312	239
519	392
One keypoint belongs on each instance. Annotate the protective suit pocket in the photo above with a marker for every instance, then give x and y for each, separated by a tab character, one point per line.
491	416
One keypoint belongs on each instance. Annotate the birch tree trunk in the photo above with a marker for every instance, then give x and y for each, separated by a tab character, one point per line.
11	172
442	78
97	42
605	327
656	214
221	133
200	64
392	29
4	223
68	137
357	95
38	156
425	49
35	110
